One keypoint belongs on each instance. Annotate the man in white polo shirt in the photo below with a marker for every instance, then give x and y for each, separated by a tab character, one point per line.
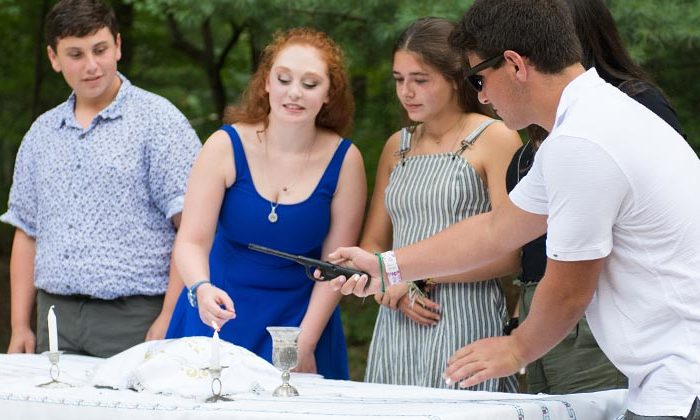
616	189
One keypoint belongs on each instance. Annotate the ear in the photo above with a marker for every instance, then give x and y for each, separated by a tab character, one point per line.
53	58
118	46
518	62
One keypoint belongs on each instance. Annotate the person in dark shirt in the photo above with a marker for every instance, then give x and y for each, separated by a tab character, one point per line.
604	49
577	364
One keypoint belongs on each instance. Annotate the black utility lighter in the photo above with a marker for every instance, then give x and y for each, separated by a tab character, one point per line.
329	271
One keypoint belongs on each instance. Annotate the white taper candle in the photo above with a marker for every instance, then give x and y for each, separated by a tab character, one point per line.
53	331
214	362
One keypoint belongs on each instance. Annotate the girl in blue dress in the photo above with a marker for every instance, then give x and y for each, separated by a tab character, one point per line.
278	174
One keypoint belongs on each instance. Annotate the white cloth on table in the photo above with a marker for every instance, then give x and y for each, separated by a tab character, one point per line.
180	367
319	399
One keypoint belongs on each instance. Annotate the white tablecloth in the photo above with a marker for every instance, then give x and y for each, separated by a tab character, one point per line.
319	398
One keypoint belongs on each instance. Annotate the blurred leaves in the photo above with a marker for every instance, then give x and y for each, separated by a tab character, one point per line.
649	26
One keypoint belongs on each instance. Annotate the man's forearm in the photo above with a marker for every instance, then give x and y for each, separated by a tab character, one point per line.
175	286
22	289
471	243
443	254
559	302
175	283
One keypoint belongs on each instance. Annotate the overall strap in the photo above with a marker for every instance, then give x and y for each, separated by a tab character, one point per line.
404	144
471	138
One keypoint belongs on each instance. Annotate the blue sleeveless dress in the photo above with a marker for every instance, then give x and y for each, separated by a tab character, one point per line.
267	290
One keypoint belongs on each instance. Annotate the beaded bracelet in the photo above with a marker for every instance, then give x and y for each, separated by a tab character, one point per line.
381	270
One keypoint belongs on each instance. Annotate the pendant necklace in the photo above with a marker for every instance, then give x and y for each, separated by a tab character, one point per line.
272	217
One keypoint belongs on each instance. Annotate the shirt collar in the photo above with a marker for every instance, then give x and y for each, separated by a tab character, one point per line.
112	111
573	90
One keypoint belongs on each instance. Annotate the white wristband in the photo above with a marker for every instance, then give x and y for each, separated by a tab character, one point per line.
392	268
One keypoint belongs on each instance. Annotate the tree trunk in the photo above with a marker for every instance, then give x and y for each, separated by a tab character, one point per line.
218	91
125	16
255	51
205	57
39	60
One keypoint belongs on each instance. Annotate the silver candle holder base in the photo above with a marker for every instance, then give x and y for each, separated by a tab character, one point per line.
216	387
54	371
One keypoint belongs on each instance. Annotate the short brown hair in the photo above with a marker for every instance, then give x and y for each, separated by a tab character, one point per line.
541	30
335	115
79	18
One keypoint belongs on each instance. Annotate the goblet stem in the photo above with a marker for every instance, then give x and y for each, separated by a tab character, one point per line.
285	390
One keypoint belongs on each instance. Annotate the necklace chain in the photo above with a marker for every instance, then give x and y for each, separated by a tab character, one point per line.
272	217
455	141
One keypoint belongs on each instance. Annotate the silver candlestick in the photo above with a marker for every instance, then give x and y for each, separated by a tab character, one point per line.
284	356
54	371
216	386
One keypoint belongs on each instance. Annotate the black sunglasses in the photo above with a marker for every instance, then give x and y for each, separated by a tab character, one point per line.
477	81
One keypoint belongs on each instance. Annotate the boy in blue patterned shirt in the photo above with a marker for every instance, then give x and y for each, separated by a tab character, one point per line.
96	197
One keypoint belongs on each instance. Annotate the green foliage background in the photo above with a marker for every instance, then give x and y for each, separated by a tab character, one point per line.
663	36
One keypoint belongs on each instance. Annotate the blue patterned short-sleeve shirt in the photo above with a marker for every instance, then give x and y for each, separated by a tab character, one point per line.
98	201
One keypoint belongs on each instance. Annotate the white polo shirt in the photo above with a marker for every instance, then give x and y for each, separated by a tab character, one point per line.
616	181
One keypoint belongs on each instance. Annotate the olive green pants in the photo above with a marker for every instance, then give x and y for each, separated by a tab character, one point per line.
96	327
576	364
